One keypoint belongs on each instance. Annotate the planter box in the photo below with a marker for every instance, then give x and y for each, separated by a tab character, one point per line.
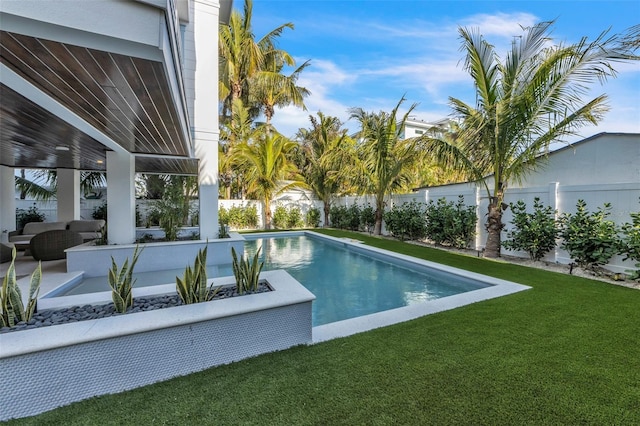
53	366
95	261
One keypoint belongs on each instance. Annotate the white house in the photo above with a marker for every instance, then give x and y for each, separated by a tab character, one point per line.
110	86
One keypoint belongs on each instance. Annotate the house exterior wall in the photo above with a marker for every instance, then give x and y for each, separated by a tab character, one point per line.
603	158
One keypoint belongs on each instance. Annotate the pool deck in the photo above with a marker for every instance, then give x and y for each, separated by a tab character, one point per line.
54	274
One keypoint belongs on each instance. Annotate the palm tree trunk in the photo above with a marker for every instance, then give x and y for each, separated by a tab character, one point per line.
327	210
494	226
377	228
267	214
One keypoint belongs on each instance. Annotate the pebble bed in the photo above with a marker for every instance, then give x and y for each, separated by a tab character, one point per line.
51	317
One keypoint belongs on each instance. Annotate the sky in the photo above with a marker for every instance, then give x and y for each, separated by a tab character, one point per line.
371	53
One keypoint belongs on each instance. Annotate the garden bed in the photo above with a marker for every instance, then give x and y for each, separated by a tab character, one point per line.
53	366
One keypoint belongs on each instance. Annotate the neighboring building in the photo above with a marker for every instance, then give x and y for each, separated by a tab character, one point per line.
110	86
414	127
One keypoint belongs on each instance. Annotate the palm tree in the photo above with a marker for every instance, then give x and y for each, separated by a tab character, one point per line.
45	183
238	129
242	57
271	88
533	98
268	168
384	155
326	153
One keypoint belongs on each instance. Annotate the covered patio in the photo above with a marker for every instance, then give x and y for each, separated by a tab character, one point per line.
110	87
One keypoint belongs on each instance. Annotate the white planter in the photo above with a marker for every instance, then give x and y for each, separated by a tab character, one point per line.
95	261
49	367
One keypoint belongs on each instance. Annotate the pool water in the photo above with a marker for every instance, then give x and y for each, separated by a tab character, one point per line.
349	284
346	282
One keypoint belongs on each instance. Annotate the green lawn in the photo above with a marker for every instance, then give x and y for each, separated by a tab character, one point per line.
565	352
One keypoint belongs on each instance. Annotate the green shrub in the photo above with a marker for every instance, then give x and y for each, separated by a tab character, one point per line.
589	238
121	282
12	310
192	288
451	224
32	214
312	218
535	232
630	243
352	218
153	217
407	221
338	216
238	217
368	218
294	217
280	217
247	273
100	212
171	217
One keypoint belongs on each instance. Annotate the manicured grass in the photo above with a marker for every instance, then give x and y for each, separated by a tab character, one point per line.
565	352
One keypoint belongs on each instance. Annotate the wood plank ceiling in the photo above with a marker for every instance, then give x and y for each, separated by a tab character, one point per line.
126	98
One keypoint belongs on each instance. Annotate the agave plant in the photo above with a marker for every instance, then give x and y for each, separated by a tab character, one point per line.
247	273
12	310
192	288
121	283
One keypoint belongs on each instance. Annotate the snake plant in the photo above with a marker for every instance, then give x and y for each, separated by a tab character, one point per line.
121	282
12	310
247	273
192	288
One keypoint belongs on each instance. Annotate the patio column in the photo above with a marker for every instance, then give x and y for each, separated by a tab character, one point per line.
121	200
205	114
8	205
68	194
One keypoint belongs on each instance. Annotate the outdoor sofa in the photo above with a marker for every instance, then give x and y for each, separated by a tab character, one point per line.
88	229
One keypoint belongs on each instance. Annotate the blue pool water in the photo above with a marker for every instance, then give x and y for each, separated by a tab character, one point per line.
346	282
349	284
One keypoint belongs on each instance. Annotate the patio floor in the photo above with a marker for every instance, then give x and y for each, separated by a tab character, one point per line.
54	273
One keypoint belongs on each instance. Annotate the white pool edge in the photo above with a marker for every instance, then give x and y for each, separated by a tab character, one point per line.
334	330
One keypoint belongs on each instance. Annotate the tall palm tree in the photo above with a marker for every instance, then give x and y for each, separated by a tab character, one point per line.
327	150
242	56
268	168
238	129
535	97
384	155
271	88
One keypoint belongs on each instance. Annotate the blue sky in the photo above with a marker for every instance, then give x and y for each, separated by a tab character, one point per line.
369	53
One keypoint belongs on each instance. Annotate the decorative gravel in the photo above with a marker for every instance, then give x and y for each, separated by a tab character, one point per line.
50	317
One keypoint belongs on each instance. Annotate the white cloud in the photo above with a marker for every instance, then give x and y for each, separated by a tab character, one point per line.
323	78
505	25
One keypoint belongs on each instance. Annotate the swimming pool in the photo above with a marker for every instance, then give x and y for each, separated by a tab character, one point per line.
350	282
353	283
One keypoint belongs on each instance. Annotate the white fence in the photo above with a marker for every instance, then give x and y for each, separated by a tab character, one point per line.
624	199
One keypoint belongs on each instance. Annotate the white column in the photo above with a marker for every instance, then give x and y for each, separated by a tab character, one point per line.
68	194
205	113
8	205
121	200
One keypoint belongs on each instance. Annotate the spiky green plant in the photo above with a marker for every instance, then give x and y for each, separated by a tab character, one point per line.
121	282
247	273
192	288
12	309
